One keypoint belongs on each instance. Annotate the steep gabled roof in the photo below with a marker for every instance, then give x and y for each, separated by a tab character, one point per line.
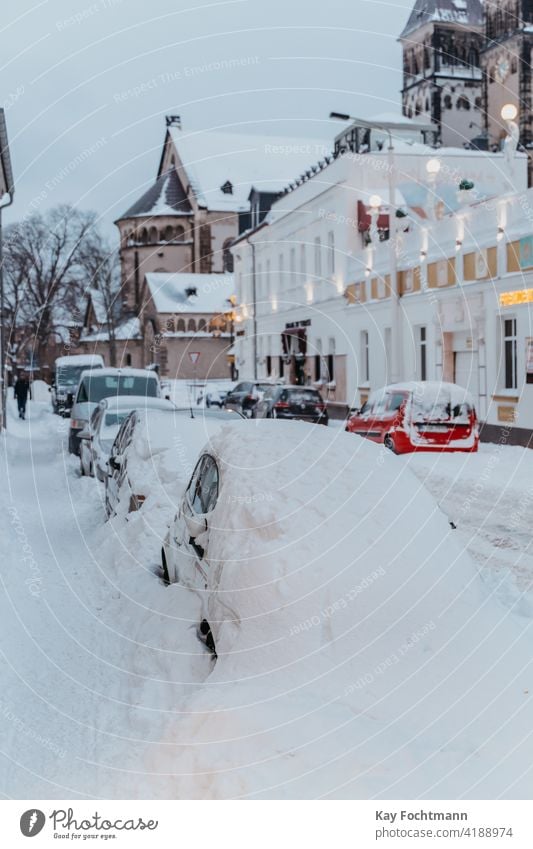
165	197
467	13
214	161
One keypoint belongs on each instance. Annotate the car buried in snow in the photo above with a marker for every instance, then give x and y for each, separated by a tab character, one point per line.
267	506
97	437
156	447
418	416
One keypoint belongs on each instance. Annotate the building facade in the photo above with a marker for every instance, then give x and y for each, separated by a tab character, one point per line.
307	276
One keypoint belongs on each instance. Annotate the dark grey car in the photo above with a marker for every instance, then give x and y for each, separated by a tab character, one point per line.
293	402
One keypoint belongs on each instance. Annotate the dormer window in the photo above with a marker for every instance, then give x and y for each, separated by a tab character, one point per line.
191	291
227	188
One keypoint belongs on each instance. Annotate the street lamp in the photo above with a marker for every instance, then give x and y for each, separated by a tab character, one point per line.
390	127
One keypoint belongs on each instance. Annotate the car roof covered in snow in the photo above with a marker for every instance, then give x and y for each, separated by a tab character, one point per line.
429	390
121	372
80	360
136	402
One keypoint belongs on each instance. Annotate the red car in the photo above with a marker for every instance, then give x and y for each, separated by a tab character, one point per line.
425	416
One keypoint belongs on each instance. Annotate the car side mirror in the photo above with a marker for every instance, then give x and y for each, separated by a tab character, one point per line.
196	524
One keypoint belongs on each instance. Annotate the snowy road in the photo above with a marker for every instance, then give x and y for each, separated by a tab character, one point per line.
97	664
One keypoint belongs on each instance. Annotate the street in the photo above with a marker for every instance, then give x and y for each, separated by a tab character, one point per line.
103	673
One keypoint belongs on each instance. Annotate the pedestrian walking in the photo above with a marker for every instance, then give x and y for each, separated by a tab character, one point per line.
22	390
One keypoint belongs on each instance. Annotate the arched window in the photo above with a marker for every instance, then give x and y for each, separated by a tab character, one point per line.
202	325
168	234
179	234
191	326
170	325
463	103
128	359
153	235
447	101
181	325
227	256
143	237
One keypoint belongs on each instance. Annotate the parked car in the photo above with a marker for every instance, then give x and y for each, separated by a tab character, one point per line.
153	446
292	402
254	540
67	374
94	386
98	435
216	397
245	397
424	416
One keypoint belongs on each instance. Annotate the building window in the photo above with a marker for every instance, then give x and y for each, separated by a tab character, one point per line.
128	359
331	253
509	352
318	258
181	325
227	256
191	326
331	360
269	365
179	234
153	235
365	357
422	353
318	360
202	327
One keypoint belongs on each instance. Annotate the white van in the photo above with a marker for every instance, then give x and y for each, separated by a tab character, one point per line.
94	386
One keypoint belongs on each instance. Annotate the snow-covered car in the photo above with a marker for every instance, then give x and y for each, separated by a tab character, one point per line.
155	447
98	435
94	386
216	397
268	504
423	416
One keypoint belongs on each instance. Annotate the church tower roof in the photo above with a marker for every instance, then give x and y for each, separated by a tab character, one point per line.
164	197
466	13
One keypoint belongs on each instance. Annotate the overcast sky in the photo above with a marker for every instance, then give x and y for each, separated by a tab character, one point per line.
100	76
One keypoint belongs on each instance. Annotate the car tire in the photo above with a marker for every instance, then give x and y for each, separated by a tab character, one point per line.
389	443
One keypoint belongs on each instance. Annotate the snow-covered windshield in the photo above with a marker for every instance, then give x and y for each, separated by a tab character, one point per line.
69	375
96	387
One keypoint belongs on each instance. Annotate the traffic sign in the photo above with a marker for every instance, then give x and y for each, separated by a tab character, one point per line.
194	356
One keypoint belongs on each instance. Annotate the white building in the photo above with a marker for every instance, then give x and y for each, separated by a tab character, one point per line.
318	275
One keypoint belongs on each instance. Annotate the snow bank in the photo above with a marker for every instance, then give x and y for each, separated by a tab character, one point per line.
359	652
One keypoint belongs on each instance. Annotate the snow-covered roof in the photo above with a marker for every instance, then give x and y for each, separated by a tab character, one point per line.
164	197
128	329
169	292
468	13
267	163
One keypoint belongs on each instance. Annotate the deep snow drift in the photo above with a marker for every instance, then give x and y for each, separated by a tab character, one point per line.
370	658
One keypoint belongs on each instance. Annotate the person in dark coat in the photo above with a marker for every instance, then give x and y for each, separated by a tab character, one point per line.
22	390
